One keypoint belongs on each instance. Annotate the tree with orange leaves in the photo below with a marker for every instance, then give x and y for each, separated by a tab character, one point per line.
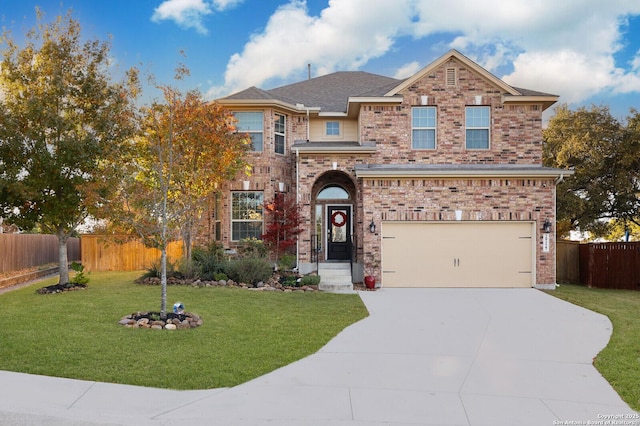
185	148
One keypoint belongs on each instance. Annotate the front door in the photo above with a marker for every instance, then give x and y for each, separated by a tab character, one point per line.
339	233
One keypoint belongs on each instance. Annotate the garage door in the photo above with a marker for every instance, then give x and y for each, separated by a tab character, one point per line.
457	254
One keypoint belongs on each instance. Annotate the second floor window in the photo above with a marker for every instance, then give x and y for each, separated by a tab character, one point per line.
423	127
279	134
477	126
332	128
251	123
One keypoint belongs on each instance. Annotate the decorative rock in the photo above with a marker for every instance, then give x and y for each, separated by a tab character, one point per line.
174	321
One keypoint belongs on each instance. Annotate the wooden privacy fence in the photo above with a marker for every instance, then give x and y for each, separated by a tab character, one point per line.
568	262
100	253
23	251
610	265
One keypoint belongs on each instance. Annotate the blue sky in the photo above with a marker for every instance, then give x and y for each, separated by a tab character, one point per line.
586	51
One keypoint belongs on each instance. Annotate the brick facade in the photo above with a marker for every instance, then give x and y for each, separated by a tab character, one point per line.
385	122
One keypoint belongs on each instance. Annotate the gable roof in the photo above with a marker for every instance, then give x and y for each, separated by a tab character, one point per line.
443	59
342	92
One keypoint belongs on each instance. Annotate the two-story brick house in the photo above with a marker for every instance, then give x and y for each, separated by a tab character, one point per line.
436	180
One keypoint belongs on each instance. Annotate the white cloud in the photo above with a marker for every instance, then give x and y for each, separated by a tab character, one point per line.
562	47
186	13
226	4
407	70
345	36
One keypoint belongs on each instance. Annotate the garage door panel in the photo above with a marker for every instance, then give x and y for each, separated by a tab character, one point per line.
457	254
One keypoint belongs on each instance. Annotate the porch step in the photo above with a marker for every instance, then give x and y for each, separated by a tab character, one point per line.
335	278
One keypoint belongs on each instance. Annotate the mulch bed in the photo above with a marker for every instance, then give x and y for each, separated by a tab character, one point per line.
59	288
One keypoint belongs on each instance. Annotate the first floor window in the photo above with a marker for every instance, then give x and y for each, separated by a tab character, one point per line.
217	209
246	215
423	127
477	125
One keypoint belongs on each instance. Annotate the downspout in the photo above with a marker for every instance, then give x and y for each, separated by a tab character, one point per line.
559	179
298	201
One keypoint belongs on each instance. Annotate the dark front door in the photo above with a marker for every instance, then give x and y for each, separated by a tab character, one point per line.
339	233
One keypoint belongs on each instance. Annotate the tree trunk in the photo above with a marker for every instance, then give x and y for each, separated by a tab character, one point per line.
187	243
163	282
63	261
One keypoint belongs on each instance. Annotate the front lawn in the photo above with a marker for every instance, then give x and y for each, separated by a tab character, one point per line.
245	333
619	362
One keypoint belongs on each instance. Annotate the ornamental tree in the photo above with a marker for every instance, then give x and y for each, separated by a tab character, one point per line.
63	126
186	146
283	224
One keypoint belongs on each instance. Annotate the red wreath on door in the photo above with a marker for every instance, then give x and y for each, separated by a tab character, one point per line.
338	222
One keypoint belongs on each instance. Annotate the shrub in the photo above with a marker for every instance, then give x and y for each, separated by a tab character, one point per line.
252	247
188	270
80	277
289	280
286	262
209	261
310	280
249	270
155	270
218	276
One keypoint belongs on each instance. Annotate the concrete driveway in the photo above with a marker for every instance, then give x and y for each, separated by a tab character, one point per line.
422	357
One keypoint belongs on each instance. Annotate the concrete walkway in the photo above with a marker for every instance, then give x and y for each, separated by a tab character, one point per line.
423	357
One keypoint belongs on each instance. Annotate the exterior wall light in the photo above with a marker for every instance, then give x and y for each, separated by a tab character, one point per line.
546	226
372	227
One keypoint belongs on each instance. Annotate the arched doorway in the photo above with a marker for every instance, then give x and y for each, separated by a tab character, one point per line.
333	198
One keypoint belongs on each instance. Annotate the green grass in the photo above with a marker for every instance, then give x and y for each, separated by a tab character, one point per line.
619	362
245	334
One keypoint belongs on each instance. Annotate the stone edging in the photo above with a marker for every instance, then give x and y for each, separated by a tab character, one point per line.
30	276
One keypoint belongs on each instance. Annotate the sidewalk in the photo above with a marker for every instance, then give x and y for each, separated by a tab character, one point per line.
422	357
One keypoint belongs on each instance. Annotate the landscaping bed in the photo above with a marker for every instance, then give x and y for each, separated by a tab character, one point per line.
12	278
272	284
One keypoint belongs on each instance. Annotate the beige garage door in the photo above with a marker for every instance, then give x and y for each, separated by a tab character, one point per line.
457	254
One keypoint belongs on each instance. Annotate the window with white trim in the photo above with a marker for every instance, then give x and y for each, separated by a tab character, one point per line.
251	123
477	127
280	133
246	215
332	128
423	127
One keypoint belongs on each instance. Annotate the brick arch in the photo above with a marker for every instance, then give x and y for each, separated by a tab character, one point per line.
334	178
